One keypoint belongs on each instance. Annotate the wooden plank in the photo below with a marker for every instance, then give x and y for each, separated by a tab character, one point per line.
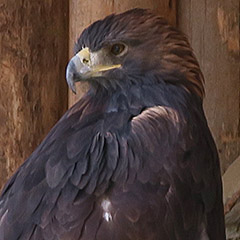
231	199
83	13
33	93
213	30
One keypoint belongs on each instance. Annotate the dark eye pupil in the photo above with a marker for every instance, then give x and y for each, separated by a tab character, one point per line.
117	48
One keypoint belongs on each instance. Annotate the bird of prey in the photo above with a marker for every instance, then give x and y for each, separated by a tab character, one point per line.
134	158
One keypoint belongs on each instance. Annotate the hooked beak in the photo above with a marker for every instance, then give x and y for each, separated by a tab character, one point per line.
85	65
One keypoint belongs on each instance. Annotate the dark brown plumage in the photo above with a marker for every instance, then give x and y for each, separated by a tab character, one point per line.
134	158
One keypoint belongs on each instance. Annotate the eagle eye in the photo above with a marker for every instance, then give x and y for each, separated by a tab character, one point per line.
117	48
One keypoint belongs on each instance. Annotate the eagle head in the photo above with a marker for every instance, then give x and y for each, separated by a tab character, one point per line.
134	47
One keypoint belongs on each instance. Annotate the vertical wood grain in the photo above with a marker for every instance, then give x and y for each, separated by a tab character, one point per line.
33	93
83	13
213	30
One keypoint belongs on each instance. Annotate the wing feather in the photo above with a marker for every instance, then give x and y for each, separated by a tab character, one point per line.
154	171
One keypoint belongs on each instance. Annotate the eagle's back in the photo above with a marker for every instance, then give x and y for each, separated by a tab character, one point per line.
120	167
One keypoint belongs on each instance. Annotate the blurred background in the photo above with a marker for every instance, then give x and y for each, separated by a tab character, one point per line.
36	42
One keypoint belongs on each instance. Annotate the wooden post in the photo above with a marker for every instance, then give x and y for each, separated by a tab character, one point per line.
33	93
83	13
213	30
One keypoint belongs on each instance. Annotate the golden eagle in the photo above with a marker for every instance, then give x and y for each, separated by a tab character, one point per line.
132	160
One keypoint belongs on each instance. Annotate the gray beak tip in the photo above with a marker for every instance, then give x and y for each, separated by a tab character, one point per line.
73	74
70	70
71	85
74	90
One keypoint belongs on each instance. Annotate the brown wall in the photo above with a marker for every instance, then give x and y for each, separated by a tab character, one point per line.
33	93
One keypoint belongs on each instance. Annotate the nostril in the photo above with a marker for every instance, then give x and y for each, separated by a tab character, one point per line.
85	61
